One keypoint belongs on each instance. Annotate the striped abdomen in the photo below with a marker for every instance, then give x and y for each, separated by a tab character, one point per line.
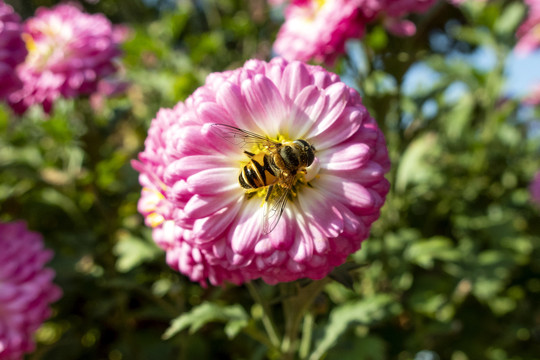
259	172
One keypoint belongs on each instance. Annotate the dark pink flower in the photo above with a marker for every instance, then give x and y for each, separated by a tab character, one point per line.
69	53
535	189
12	49
318	30
529	32
201	215
26	288
392	13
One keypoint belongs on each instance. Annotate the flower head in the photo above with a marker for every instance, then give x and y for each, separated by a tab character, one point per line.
319	29
12	49
393	11
69	52
535	189
26	288
529	32
211	227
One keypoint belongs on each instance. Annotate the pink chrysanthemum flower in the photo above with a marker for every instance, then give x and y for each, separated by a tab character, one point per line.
211	227
392	12
69	53
318	29
535	189
26	288
12	49
528	33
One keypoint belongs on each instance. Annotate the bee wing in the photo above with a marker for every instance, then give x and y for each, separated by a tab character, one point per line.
274	204
242	138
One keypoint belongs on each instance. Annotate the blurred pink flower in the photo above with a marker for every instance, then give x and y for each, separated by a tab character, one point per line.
533	98
26	288
12	49
318	30
535	189
459	2
201	215
528	33
392	13
69	53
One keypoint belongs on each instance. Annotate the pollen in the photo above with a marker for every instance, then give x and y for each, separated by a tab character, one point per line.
29	41
155	219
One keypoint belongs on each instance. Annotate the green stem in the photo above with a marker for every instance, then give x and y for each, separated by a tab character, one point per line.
294	309
266	317
307	332
257	335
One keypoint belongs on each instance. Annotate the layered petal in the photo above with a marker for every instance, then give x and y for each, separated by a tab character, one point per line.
26	288
12	50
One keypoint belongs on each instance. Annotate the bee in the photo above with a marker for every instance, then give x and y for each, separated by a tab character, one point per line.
276	167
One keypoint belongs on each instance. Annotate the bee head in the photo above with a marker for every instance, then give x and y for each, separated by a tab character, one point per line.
308	150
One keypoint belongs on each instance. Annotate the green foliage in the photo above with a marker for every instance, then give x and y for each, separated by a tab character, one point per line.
234	316
367	311
452	265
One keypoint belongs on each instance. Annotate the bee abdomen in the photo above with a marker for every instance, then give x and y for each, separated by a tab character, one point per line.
256	175
252	176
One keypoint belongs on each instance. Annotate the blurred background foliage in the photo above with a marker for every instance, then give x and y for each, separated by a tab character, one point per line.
452	269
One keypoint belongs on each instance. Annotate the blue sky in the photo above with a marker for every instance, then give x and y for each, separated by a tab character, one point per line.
523	72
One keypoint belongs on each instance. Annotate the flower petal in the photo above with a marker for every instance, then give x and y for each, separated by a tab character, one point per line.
350	120
306	111
246	230
229	96
211	227
214	181
190	165
321	211
347	156
200	206
295	78
348	192
265	104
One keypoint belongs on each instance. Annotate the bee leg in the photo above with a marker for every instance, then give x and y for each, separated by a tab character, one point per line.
268	193
249	154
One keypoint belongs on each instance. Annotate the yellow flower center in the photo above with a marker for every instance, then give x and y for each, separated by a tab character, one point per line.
50	47
151	205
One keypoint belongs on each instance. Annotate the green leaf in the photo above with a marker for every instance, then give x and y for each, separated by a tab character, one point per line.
414	166
133	251
234	316
365	348
459	117
507	23
366	311
492	268
426	252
